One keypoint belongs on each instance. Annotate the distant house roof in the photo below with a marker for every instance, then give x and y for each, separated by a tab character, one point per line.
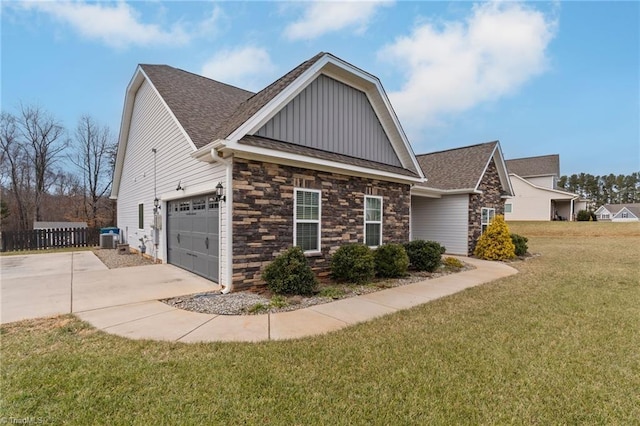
461	168
200	104
615	208
59	225
544	165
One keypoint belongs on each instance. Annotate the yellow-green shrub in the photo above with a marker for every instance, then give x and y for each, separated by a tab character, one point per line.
495	243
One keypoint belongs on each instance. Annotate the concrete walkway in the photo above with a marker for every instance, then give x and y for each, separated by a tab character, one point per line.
151	319
42	285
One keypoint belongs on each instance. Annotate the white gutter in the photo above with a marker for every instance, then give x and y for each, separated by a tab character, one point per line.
228	286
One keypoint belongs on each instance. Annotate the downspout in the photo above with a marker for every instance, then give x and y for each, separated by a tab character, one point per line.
229	206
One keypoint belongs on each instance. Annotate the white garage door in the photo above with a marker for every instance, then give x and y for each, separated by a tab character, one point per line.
192	235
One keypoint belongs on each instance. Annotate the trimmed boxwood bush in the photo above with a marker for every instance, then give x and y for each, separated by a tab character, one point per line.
424	255
290	273
391	261
520	244
495	243
353	263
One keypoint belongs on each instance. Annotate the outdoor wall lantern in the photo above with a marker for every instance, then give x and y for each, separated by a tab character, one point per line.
156	205
220	193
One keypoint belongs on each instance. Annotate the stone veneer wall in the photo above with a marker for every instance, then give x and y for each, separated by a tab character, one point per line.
490	197
263	214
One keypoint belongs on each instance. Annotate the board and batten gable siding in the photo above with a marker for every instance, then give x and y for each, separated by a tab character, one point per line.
334	117
444	220
152	126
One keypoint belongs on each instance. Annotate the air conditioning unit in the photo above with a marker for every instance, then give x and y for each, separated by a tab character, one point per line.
108	241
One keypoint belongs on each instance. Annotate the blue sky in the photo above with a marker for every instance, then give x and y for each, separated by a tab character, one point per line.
542	77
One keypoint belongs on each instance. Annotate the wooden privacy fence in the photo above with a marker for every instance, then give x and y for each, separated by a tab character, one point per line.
41	239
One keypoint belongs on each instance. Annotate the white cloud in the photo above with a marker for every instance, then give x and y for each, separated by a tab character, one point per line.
453	67
321	17
248	67
116	25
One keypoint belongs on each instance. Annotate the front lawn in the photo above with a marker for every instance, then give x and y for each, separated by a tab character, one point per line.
556	344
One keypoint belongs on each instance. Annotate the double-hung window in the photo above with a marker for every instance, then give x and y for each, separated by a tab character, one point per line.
373	221
487	217
306	220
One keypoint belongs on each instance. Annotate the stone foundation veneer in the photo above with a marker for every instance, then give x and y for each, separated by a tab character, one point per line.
491	197
263	214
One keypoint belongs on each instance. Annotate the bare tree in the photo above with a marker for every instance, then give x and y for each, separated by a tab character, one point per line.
94	147
15	168
43	140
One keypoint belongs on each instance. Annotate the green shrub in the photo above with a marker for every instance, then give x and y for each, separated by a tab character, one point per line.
290	273
353	263
452	263
391	261
424	255
586	216
520	244
495	243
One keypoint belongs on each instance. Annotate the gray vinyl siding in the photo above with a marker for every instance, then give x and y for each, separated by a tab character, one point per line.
152	126
445	220
334	117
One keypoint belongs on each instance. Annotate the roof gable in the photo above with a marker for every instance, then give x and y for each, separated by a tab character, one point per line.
261	108
331	116
463	168
545	165
615	209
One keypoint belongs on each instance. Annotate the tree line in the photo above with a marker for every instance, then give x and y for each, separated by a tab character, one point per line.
605	189
50	174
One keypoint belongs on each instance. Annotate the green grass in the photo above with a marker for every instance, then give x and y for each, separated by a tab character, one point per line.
556	344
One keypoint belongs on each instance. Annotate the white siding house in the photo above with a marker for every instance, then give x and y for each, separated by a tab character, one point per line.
537	197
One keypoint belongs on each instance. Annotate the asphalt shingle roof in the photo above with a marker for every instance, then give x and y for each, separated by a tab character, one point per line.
632	207
459	168
200	104
252	105
208	109
262	142
545	165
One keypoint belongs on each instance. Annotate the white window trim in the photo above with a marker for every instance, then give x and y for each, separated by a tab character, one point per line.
138	216
295	218
490	218
366	222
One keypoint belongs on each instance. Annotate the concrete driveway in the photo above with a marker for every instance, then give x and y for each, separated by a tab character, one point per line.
42	285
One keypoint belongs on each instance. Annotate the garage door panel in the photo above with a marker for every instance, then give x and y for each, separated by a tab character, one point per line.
193	237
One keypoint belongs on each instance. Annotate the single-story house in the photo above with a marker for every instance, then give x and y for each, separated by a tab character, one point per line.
619	212
537	197
219	180
465	188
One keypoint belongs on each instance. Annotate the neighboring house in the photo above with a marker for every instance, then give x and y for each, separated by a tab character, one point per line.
619	212
59	225
465	188
534	180
316	159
